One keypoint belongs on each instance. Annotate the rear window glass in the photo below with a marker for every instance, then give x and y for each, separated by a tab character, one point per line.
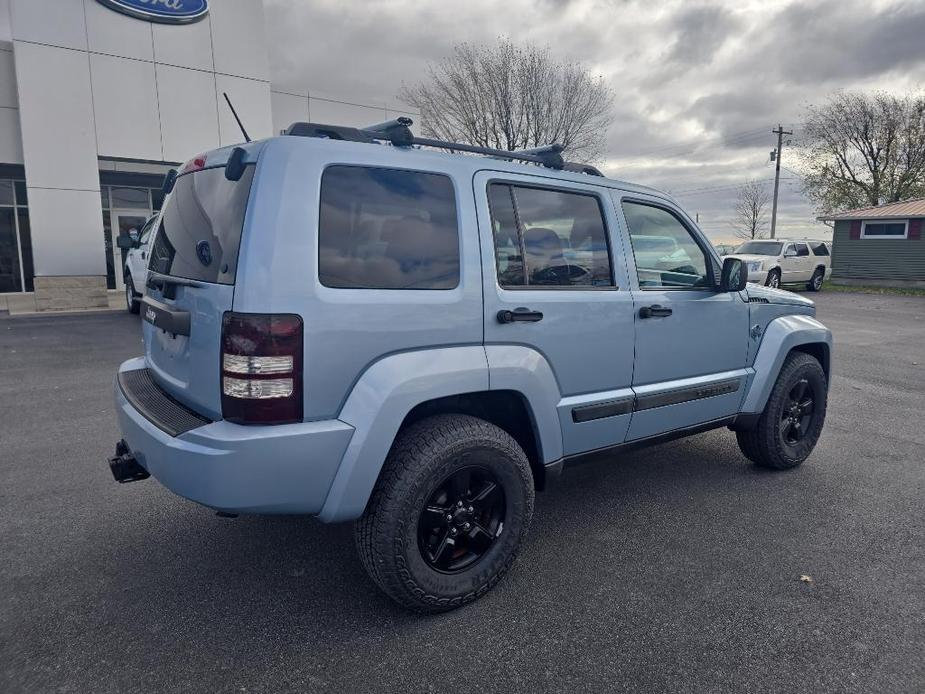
200	229
819	248
387	229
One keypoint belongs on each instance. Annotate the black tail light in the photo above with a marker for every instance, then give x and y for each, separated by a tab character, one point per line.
261	368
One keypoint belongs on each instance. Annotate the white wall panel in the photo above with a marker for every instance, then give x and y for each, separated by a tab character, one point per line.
54	22
339	113
10	137
189	121
287	109
6	31
251	100
8	95
67	232
56	115
125	103
114	33
185	45
239	38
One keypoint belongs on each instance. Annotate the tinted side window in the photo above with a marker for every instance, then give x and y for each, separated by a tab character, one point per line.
387	229
548	238
666	254
802	250
819	248
200	229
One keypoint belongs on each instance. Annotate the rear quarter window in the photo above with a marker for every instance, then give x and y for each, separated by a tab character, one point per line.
819	248
384	228
200	228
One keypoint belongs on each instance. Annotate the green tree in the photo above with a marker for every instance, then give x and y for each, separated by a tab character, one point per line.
860	150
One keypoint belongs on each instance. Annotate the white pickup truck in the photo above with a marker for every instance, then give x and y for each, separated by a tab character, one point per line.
786	261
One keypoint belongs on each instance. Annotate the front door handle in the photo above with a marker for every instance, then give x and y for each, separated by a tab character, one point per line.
143	255
519	315
655	311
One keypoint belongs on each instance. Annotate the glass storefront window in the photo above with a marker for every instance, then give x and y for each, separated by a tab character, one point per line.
157	198
6	193
21	198
107	242
16	269
25	246
10	277
132	198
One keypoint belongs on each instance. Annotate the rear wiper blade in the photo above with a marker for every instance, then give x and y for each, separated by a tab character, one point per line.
158	280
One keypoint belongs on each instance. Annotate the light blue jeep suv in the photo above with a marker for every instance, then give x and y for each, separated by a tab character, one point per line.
354	324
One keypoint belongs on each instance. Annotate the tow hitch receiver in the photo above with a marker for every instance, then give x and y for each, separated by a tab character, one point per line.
124	467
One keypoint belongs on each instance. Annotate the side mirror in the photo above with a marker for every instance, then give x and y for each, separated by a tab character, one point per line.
125	242
734	276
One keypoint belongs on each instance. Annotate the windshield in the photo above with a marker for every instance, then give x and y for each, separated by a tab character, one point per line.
760	248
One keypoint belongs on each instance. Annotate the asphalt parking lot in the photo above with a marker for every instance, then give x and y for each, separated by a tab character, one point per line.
671	569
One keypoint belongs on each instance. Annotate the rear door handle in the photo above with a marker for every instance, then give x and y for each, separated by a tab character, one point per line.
519	315
655	311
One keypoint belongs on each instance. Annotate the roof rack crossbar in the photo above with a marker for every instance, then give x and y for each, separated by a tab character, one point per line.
398	133
550	158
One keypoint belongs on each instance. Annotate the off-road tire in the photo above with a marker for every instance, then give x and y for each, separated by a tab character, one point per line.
769	282
815	282
422	456
765	444
132	302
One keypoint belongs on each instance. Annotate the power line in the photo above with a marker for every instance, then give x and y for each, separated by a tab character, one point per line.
725	186
694	145
706	145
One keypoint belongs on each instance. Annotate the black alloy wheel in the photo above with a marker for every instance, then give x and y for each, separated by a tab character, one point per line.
797	413
461	519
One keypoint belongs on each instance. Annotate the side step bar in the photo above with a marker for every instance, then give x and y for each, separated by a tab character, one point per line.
124	467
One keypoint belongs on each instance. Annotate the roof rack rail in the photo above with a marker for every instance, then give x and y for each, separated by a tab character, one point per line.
398	133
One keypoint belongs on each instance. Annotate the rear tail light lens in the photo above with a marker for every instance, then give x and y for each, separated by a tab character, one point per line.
261	368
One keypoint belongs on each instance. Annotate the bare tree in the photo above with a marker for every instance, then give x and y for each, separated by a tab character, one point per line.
751	211
510	96
864	149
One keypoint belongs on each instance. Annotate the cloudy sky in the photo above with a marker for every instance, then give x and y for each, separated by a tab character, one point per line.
698	85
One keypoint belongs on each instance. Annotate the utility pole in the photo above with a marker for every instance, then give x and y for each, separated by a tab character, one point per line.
780	132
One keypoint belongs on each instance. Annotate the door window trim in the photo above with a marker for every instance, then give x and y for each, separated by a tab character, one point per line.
511	183
705	248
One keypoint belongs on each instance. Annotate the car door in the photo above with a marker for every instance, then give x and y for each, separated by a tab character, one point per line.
803	263
556	293
789	264
691	339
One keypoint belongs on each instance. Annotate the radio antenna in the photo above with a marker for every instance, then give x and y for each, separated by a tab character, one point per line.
235	114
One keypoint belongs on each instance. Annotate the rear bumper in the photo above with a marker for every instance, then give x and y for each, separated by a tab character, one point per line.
251	469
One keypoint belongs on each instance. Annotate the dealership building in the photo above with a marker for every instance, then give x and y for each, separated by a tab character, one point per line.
98	100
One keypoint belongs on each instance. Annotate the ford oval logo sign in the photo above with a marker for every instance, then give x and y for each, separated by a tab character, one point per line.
166	11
